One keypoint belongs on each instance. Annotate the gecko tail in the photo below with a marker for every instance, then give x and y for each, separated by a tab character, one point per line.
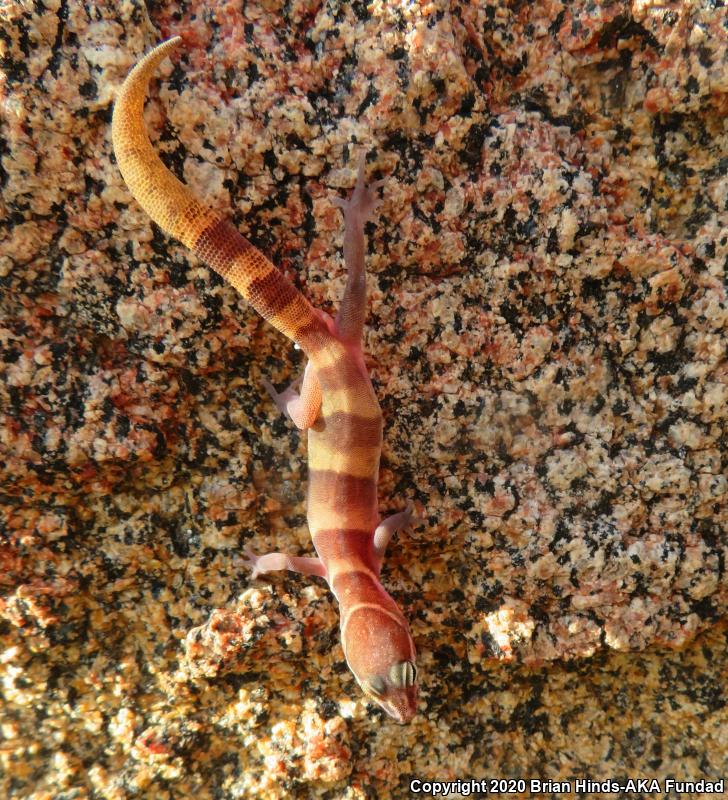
210	236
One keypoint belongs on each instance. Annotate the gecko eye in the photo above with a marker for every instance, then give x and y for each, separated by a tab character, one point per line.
375	686
403	674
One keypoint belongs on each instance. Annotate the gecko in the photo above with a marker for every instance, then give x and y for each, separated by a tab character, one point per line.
334	401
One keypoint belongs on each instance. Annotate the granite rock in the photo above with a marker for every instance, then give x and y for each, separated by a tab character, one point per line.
547	336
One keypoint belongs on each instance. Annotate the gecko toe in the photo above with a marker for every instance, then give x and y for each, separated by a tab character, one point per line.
251	562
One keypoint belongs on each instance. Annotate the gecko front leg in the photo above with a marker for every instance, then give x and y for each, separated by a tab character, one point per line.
274	562
389	526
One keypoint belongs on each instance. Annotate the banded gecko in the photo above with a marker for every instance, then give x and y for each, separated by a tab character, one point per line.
336	403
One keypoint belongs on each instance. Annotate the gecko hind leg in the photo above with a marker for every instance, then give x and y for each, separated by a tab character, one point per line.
302	407
357	210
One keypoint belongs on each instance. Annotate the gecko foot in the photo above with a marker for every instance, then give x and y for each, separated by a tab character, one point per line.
412	518
281	399
364	199
251	562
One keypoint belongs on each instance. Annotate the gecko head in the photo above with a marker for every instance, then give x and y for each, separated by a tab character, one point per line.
381	654
395	691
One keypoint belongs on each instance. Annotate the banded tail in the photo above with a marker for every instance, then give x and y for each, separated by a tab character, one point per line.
211	237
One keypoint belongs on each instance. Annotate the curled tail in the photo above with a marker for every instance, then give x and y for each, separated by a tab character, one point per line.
211	237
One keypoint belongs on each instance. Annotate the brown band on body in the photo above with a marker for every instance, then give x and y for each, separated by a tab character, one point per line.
349	430
340	491
344	543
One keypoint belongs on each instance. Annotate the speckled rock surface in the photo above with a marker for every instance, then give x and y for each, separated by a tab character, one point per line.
546	334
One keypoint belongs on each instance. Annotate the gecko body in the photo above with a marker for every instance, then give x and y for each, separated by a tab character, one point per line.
336	403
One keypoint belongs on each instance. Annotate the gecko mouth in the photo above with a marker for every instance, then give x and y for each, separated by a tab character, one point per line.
401	710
